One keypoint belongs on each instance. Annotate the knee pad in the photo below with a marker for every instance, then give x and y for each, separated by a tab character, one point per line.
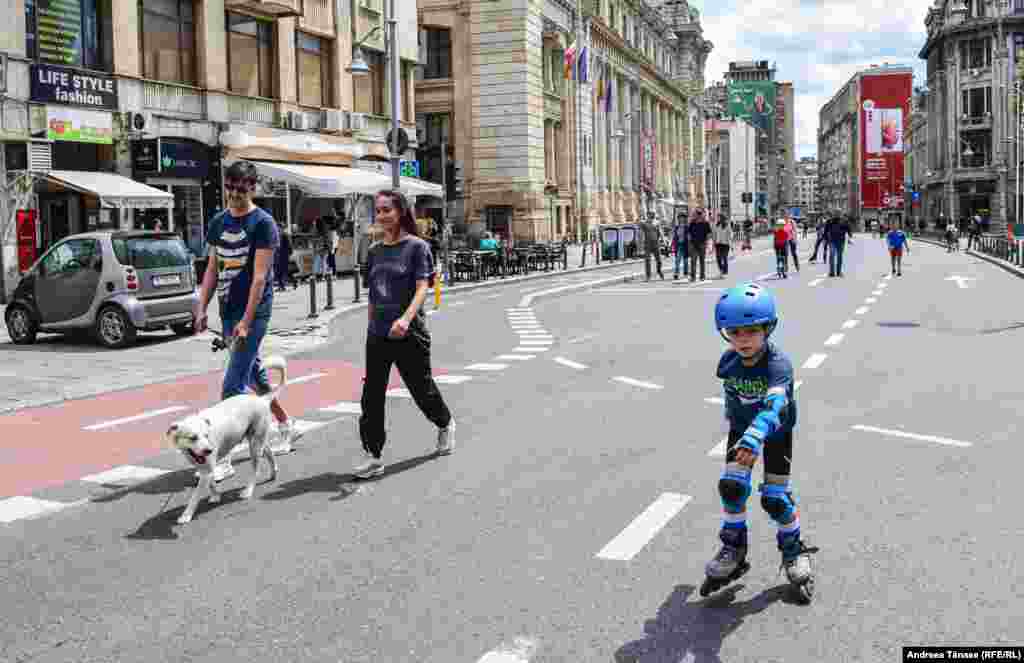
734	488
778	502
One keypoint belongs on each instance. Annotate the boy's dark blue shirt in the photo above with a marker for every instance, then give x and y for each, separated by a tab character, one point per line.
747	387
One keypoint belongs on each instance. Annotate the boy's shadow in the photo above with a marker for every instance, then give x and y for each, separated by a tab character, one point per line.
694	631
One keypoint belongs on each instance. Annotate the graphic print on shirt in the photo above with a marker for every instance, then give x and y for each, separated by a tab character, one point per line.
232	257
749	391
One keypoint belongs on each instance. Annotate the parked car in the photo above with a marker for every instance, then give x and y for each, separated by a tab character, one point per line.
111	283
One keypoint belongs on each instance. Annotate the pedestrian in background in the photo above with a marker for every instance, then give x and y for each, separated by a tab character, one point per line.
282	261
780	240
697	233
679	247
897	240
974	234
748	231
400	268
820	241
723	241
839	234
651	247
791	230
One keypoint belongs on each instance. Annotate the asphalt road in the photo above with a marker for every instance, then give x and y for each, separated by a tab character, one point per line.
904	463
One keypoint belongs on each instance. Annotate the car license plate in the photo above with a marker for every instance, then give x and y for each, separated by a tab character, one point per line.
168	279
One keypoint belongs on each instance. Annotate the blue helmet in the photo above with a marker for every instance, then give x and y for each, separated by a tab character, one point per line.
745	305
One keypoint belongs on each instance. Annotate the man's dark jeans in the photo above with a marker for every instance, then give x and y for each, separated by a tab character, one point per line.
835	263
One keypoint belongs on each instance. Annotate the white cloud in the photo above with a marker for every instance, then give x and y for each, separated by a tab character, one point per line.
816	44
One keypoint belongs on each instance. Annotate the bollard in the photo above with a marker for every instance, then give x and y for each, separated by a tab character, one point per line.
438	282
565	257
312	296
583	256
330	293
356	275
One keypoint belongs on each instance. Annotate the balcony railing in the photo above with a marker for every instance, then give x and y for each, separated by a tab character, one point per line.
172	98
251	109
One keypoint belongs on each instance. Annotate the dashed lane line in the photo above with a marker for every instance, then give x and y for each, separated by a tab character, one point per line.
870	300
514	357
399	392
815	282
486	367
636	383
124	475
834	339
862	310
346	407
22	508
138	417
850	324
570	363
452	379
815	360
533	348
644	527
913	436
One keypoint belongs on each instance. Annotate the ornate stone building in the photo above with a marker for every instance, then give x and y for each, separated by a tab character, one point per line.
543	156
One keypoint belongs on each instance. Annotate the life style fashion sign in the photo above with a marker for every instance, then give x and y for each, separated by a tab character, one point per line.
60	85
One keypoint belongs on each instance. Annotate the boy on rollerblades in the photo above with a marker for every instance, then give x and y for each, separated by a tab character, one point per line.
761	411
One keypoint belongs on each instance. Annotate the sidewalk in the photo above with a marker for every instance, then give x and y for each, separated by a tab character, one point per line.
58	368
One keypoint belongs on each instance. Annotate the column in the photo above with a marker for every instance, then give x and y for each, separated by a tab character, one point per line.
287	89
625	98
125	21
548	142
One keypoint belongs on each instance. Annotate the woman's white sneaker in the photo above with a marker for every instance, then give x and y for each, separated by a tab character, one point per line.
446	439
370	467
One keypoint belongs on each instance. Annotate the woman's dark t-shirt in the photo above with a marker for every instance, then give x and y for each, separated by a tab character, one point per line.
393	270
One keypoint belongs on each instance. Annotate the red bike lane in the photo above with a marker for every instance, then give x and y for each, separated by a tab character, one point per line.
51	445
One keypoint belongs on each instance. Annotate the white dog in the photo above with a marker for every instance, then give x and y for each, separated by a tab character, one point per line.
210	435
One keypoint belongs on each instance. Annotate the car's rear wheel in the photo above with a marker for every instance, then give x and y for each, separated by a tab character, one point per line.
184	329
21	325
114	329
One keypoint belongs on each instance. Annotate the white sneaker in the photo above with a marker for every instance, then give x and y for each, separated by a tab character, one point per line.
286	435
370	467
446	439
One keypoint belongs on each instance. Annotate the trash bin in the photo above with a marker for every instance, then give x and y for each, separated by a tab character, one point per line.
610	243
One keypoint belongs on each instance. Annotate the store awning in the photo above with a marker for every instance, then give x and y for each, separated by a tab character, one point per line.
336	181
113	190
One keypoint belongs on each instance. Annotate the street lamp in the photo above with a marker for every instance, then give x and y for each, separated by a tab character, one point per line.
360	68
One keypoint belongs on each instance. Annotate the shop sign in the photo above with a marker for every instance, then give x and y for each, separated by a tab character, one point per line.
647	156
145	155
184	158
64	123
68	86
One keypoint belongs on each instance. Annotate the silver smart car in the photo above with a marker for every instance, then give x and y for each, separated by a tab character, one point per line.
112	283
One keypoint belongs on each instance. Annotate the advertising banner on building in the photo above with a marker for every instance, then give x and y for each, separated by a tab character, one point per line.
79	126
883	102
753	101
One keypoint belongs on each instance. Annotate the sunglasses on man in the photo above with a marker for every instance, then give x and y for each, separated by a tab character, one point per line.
241	186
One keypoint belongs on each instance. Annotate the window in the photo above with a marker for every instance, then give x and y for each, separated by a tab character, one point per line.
439	53
369	88
976	101
76	33
167	39
314	68
975	53
250	56
151	252
70	257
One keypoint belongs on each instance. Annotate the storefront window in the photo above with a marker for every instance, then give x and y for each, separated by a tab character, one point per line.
314	70
250	56
76	33
369	88
168	40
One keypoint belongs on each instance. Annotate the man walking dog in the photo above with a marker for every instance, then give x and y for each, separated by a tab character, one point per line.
242	241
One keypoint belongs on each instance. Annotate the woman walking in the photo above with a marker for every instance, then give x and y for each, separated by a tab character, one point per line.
400	268
723	241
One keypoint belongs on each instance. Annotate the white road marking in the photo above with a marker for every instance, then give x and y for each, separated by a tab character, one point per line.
815	360
20	508
486	367
766	276
883	285
850	324
492	296
514	357
580	339
398	393
715	400
913	436
524	324
516	309
870	300
888	277
878	293
432	311
520	651
452	379
960	280
303	426
344	407
454	304
637	383
124	475
137	417
574	287
307	378
862	310
834	339
815	282
570	363
536	341
535	348
644	527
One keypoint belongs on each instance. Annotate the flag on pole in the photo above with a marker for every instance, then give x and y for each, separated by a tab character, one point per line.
570	60
583	65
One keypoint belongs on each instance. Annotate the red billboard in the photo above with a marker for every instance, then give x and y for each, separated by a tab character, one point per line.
883	103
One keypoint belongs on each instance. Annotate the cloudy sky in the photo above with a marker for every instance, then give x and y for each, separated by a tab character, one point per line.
816	44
